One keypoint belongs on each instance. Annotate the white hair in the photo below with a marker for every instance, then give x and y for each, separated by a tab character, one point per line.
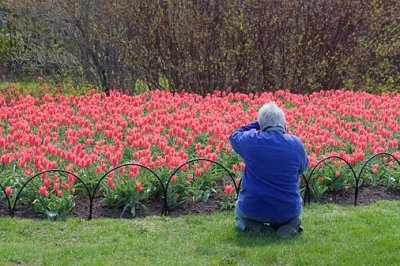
270	115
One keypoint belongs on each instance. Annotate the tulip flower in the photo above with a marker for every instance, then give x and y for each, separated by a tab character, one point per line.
8	190
138	186
173	179
43	191
59	193
228	189
162	129
110	183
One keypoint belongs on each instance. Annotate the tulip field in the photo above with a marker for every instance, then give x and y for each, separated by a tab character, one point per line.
85	137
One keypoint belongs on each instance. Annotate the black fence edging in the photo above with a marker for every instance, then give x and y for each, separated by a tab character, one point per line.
165	209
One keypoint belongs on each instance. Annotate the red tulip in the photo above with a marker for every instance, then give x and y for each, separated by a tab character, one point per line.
138	186
174	124
228	189
59	193
110	183
8	190
173	179
43	191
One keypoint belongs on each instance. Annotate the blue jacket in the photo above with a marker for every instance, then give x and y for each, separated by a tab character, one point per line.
274	161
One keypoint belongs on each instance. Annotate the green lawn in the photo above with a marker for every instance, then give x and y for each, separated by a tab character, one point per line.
334	235
31	85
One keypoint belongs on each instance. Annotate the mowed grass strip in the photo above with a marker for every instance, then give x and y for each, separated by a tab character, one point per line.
334	235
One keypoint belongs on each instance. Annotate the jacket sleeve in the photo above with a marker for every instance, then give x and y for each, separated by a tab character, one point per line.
304	160
238	136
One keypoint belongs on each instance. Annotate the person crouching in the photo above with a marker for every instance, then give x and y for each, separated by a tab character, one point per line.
269	199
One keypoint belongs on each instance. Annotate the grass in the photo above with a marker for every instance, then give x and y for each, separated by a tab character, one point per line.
12	90
334	235
33	85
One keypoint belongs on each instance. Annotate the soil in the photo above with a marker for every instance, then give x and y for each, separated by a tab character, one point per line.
366	195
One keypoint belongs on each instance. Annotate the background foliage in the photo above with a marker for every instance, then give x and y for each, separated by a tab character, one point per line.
305	45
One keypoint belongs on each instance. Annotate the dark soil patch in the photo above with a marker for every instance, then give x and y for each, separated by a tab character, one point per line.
212	205
367	195
101	210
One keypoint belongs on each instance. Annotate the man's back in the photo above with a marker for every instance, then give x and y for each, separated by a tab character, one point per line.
274	160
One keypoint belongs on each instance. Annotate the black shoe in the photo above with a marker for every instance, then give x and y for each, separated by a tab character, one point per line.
289	229
258	227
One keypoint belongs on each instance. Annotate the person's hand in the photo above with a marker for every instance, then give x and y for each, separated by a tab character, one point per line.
254	124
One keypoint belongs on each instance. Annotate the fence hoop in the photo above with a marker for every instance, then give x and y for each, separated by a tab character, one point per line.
348	164
39	174
231	175
96	188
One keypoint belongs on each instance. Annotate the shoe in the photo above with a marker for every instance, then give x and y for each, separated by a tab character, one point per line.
289	229
286	230
258	227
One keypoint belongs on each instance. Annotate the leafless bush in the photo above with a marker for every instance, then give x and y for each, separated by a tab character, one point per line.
305	45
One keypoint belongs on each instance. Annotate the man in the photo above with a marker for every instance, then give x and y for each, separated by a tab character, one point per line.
269	199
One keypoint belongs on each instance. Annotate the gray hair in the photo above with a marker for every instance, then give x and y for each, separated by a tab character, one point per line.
271	115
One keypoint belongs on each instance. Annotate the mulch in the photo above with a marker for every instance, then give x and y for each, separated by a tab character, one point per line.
367	194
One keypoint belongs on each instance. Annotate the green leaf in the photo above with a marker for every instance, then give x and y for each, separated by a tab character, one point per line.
206	195
124	210
133	211
51	215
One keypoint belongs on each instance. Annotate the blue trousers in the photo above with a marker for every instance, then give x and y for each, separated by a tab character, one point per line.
244	221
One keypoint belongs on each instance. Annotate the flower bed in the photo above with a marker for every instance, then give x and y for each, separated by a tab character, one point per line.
89	136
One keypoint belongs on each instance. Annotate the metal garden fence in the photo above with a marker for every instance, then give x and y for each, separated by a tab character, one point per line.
165	185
